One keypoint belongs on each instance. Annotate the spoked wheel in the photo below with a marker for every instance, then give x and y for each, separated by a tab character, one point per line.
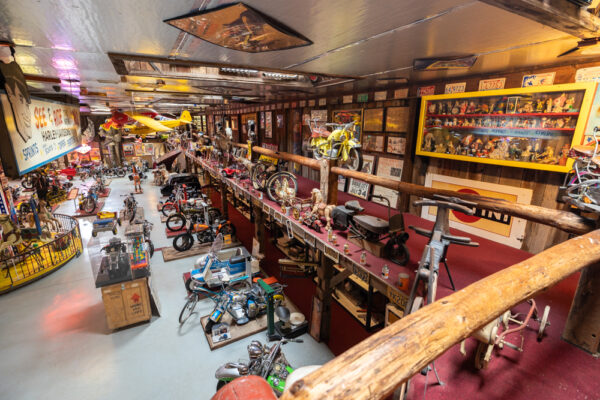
278	182
354	161
89	205
188	308
543	323
227	229
176	222
397	251
132	213
183	242
259	176
120	172
27	183
168	209
150	247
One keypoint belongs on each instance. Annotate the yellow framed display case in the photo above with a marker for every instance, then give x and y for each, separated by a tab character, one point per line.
530	127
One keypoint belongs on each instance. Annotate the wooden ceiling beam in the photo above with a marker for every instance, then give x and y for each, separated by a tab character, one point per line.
561	15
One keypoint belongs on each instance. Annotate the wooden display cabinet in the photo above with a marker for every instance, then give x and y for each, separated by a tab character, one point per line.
530	127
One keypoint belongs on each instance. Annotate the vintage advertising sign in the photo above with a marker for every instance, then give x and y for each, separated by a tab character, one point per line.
492	84
546	79
425	91
455	87
494	226
42	131
380	96
591	74
401	93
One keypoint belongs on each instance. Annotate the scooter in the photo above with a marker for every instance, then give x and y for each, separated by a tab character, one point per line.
271	364
374	229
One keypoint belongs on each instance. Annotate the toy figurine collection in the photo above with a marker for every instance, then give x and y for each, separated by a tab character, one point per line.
534	128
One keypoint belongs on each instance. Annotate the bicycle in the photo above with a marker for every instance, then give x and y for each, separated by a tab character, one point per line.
268	175
339	144
426	277
88	202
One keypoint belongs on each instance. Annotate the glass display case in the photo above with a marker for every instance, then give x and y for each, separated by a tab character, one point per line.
525	127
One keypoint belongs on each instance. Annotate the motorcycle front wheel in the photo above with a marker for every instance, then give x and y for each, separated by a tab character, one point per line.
227	229
183	242
354	161
120	172
168	209
176	222
27	183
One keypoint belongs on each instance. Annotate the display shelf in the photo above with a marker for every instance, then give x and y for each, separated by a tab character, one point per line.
490	128
348	303
550	114
355	279
369	272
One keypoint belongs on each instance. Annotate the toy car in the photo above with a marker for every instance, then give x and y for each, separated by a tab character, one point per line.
231	172
103	225
68	172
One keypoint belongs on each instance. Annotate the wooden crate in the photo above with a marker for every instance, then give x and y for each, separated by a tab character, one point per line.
126	303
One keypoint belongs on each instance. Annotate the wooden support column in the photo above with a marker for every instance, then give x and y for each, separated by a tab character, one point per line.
583	323
224	201
321	316
259	227
328	182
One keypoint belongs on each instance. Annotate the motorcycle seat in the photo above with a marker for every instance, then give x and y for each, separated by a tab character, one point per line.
320	133
353	205
237	259
373	224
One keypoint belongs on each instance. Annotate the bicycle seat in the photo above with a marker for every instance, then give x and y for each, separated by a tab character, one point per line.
353	205
373	224
462	240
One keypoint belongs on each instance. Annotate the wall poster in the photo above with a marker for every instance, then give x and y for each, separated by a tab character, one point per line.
494	226
390	168
128	149
396	119
372	142
373	120
268	125
359	188
396	145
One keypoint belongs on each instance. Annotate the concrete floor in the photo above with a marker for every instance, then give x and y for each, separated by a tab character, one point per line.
55	344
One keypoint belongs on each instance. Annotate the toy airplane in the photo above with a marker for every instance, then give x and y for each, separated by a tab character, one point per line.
142	124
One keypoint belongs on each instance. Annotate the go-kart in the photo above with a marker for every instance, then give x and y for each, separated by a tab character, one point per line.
213	271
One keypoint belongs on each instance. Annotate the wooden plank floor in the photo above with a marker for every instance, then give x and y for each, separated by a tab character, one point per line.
170	254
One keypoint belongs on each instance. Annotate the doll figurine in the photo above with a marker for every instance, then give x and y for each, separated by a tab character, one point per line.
569	105
526	154
558	103
485	109
539	106
443	108
564	155
548	105
547	157
528	107
463	107
471	108
560	123
432	108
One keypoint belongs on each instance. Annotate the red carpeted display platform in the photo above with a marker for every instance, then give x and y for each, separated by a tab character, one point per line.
105	193
80	213
551	369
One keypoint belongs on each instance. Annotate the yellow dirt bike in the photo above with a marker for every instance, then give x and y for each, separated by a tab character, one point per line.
339	144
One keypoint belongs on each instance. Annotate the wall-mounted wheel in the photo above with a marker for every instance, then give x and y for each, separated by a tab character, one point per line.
543	323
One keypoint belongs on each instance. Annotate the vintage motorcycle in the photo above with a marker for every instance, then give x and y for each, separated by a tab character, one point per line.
269	363
205	233
339	144
88	202
374	229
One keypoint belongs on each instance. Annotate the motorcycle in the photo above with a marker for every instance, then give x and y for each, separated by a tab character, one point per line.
205	233
88	202
130	209
374	229
270	364
340	144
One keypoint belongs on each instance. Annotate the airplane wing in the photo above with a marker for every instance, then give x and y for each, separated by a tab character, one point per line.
150	123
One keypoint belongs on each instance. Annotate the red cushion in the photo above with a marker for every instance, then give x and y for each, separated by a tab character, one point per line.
246	388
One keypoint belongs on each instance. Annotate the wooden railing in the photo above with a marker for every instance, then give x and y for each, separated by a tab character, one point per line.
376	366
564	220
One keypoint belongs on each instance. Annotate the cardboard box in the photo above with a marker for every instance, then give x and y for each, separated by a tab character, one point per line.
126	303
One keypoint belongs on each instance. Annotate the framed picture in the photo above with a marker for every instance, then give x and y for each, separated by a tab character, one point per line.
373	120
262	120
268	125
396	145
341	183
234	124
373	142
396	119
390	168
128	149
346	116
279	121
359	188
318	115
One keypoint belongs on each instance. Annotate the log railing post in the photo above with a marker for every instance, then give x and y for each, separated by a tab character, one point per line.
323	295
583	323
259	227
328	182
224	201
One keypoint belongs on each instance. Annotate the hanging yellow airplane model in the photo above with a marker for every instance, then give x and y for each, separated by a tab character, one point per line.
146	123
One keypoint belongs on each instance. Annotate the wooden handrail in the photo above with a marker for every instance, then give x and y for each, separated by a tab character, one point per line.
564	220
376	366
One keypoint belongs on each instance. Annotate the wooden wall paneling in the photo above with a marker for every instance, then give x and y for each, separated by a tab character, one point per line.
511	176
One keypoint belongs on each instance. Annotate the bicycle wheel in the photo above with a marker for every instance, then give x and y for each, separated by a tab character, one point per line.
27	183
259	176
183	242
354	161
277	182
132	212
188	308
176	222
150	247
89	205
120	172
168	209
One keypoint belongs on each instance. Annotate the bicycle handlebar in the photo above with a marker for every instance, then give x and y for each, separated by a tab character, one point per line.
452	203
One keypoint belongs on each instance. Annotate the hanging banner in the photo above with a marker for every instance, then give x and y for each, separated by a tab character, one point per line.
42	131
491	225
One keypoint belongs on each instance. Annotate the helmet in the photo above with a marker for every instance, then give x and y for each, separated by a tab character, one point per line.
255	349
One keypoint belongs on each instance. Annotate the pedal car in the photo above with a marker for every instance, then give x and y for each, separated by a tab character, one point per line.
106	221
